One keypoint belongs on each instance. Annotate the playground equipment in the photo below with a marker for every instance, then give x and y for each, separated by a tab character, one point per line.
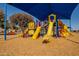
51	28
44	25
37	31
21	34
31	27
64	31
62	28
29	31
51	19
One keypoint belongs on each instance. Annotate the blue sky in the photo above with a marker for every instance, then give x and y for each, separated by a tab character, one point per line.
74	17
13	10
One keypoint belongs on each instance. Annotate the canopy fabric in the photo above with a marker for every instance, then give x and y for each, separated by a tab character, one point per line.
42	10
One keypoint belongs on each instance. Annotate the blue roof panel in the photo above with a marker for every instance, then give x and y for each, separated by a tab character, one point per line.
42	10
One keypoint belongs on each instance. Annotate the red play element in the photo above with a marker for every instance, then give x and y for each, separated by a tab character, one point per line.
38	24
60	23
51	20
11	33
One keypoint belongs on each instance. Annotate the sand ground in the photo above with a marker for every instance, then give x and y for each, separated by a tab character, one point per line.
27	47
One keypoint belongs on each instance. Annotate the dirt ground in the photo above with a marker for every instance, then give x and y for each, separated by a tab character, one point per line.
27	47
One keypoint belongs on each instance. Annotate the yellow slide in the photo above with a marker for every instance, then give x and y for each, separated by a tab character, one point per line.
65	31
49	32
36	32
21	34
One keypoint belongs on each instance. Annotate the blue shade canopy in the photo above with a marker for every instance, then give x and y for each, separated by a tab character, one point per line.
42	10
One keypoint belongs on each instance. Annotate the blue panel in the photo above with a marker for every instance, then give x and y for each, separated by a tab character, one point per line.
42	10
63	9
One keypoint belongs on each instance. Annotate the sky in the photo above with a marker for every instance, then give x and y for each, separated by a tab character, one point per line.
13	10
74	17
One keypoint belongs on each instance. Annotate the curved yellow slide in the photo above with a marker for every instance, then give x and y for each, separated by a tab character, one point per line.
36	32
49	32
65	31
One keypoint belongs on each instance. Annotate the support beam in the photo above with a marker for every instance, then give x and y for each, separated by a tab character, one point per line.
57	32
5	18
70	25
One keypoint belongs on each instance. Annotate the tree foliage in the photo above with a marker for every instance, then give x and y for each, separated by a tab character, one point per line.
20	19
1	19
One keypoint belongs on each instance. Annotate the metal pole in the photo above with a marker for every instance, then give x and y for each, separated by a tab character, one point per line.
70	25
57	32
5	17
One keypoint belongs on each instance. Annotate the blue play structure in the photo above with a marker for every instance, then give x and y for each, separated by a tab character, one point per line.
42	10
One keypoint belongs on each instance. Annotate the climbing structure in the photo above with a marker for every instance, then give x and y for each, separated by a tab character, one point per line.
29	28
